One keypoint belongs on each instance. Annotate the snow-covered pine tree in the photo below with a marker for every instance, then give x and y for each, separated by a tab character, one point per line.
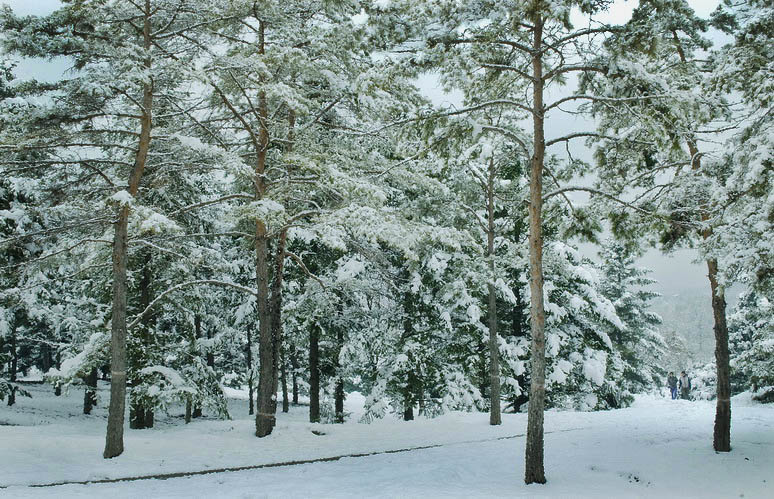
639	342
535	43
102	127
662	159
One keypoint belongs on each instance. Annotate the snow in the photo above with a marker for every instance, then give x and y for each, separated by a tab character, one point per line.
360	19
123	197
656	448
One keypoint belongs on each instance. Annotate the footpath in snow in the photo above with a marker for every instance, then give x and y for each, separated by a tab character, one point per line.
657	448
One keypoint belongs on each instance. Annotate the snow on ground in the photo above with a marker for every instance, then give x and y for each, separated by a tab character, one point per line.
657	448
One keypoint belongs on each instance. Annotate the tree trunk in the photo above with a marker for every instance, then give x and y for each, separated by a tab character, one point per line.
114	438
197	407
339	404
721	440
140	410
12	366
251	410
534	470
210	353
275	306
339	390
294	367
408	405
722	431
264	417
284	372
188	407
314	373
90	392
494	350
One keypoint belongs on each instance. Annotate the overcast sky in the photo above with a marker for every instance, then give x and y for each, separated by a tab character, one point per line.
677	274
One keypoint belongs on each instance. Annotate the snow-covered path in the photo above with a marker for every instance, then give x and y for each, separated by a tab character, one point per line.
658	448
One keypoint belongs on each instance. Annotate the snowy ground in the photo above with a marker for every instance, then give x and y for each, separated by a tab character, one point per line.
657	448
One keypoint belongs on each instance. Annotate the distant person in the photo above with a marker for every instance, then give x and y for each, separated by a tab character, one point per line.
685	386
672	384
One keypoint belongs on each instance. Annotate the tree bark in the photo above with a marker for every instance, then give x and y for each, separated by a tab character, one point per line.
294	374
284	373
722	430
90	392
114	438
251	409
534	469
197	407
276	314
210	353
12	366
140	413
314	373
494	350
264	417
721	439
339	391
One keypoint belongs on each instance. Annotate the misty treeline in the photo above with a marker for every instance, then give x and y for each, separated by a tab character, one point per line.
256	194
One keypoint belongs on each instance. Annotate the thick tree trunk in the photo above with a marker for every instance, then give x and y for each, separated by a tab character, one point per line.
114	438
534	470
494	349
314	373
265	415
90	392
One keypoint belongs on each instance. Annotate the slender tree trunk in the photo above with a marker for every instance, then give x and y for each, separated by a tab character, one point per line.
722	431
57	385
294	367
339	394
188	407
276	314
721	440
494	350
90	392
534	470
114	438
408	404
284	373
314	373
210	353
140	410
12	366
250	369
197	406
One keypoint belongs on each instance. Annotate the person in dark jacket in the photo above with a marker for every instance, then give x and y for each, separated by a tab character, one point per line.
685	386
672	384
